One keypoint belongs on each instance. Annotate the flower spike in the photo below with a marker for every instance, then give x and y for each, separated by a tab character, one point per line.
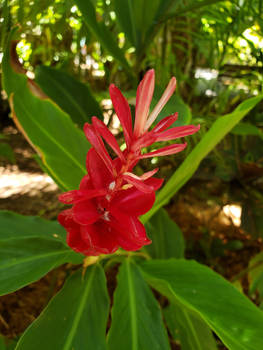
111	197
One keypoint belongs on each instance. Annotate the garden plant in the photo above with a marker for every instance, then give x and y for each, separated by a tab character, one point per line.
115	222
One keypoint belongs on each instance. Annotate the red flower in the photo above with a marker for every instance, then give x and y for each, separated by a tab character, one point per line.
110	199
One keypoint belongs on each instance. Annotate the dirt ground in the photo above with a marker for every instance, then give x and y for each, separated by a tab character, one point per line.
25	189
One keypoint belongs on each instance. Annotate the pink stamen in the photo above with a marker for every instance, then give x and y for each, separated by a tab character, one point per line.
162	102
143	101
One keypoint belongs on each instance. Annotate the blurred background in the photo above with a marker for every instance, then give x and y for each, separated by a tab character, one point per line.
214	48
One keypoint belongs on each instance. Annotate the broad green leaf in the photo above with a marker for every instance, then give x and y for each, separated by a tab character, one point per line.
29	248
61	145
192	331
216	133
167	238
136	316
100	30
75	318
72	96
247	129
232	316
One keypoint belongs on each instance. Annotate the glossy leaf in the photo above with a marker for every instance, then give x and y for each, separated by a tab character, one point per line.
75	318
192	332
29	248
136	316
167	238
61	145
232	316
71	95
100	30
216	133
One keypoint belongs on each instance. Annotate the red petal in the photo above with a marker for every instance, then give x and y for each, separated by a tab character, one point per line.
131	234
165	151
137	182
108	136
85	213
98	144
123	112
98	172
75	241
177	132
143	101
133	202
65	218
165	122
77	195
144	141
85	183
100	238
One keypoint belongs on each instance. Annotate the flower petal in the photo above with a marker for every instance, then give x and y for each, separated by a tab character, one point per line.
143	101
100	238
100	176
131	234
133	202
123	112
165	122
162	102
165	151
108	137
74	196
179	131
98	144
137	182
85	183
85	212
144	141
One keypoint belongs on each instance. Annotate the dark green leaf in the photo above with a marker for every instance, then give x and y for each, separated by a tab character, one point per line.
167	238
232	316
7	152
75	318
71	95
247	129
61	145
136	316
29	248
192	331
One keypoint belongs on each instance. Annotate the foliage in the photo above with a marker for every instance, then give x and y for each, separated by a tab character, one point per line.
70	51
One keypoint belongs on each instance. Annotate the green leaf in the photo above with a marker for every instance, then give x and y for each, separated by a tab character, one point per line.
29	248
100	30
245	129
216	133
167	238
255	275
7	152
192	331
72	96
136	316
61	145
75	318
233	317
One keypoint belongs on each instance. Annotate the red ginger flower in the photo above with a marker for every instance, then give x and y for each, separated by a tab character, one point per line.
110	199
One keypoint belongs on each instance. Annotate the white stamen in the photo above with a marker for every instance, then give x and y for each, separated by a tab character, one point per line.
112	185
106	216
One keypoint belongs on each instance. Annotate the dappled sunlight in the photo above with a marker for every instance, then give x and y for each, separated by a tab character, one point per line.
14	181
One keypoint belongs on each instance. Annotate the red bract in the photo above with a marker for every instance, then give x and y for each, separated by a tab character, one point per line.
111	197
